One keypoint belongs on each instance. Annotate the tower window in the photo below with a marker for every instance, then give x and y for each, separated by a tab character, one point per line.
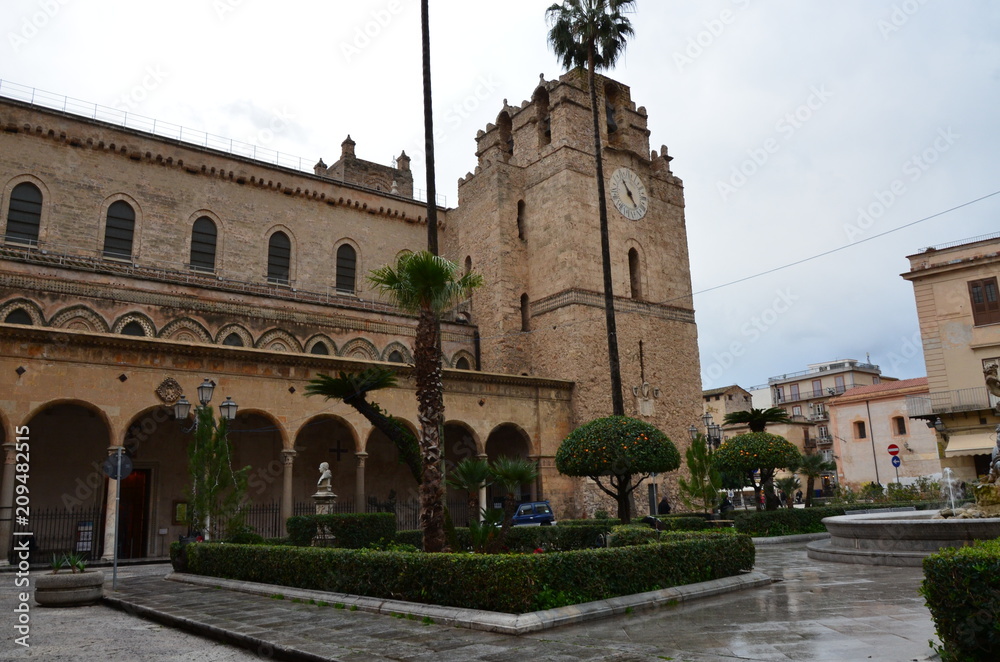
520	219
525	313
347	259
634	275
899	425
203	240
24	215
279	258
859	430
119	231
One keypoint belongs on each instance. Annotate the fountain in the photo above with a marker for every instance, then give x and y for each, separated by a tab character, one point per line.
948	486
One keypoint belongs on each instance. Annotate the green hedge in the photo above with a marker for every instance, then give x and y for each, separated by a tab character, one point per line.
349	530
962	589
529	538
512	583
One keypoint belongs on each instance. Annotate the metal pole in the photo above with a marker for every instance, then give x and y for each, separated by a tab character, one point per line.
871	433
118	498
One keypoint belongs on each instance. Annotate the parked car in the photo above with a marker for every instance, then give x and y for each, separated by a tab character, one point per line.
534	513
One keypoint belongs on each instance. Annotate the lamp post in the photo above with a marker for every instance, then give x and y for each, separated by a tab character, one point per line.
713	431
205	442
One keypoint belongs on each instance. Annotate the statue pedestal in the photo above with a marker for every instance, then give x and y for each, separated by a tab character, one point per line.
988	498
324	506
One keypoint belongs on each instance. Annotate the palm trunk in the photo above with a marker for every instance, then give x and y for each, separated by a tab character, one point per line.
810	483
430	407
432	233
617	404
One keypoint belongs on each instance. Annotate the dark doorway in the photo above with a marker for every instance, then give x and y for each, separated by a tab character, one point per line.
133	518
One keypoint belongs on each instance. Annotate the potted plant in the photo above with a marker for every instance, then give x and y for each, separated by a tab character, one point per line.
75	588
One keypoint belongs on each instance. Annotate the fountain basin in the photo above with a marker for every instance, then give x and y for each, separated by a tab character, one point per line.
897	539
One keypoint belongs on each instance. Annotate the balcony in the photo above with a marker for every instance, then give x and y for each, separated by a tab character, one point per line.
824	440
829	368
821	415
828	392
950	402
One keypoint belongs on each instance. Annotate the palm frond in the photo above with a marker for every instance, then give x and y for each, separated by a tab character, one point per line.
347	386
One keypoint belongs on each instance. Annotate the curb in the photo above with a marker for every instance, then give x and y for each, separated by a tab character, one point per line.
801	537
513	624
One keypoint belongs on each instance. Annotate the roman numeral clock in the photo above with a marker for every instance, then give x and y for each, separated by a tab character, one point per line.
628	194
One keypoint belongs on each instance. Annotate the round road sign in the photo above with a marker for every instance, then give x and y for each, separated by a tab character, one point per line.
110	467
893	449
896	461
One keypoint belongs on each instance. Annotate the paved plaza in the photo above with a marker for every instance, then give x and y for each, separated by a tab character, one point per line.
815	611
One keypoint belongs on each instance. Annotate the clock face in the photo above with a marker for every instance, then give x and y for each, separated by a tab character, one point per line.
628	193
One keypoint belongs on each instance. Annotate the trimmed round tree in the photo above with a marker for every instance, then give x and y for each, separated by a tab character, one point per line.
757	455
618	453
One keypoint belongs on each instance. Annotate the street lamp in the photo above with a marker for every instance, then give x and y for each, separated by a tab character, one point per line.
713	431
182	408
693	431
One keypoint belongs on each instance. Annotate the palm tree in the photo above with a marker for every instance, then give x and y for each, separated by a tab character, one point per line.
757	419
813	467
353	389
470	475
432	237
427	285
510	473
593	34
788	485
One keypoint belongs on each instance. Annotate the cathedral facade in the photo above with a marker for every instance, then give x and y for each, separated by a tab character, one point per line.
134	267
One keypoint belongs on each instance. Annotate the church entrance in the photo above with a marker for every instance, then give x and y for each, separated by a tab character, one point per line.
133	516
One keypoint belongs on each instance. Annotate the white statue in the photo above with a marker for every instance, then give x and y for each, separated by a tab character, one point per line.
324	484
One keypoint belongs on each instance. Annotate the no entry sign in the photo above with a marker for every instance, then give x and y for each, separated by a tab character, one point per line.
893	449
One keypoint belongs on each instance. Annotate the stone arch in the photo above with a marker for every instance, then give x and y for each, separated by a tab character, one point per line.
238	329
325	438
185	330
46	202
387	480
505	135
463	354
79	317
278	340
138	318
313	344
399	347
136	228
542	118
27	305
257	439
460	442
509	440
360	348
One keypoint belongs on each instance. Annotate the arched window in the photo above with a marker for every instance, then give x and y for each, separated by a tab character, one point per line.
395	356
468	264
506	136
542	114
18	316
233	340
347	261
634	277
133	329
525	313
119	230
203	240
279	258
24	215
520	219
320	348
462	364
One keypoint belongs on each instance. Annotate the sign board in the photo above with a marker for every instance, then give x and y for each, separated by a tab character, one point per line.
893	449
110	467
896	461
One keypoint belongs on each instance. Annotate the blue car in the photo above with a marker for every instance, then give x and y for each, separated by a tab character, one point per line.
534	513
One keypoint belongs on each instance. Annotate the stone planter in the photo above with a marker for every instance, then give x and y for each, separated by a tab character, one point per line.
69	589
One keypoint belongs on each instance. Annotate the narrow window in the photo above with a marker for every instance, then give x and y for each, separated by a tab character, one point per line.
462	364
859	430
779	393
24	215
233	340
203	239
817	388
794	391
635	280
320	348
279	258
396	357
525	314
542	116
18	316
520	219
119	230
347	259
506	136
985	303
133	329
468	264
899	423
839	381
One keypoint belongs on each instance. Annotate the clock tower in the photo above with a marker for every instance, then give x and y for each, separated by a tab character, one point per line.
528	221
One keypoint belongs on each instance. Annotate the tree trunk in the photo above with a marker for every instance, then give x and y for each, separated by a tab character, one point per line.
432	233
624	509
430	408
767	484
810	484
617	403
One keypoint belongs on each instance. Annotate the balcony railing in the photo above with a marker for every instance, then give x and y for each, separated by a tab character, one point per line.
840	366
948	402
824	440
827	392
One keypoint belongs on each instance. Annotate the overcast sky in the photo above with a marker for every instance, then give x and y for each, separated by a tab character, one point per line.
798	127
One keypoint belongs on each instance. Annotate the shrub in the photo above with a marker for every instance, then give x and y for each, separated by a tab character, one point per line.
512	583
792	521
529	538
633	534
962	589
349	530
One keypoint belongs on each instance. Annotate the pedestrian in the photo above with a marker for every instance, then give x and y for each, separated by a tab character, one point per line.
664	507
798	496
782	499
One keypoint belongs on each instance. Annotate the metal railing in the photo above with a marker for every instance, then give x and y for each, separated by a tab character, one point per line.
839	366
59	531
961	242
947	402
125	119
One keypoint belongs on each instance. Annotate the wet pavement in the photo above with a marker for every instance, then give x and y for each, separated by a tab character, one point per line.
817	611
